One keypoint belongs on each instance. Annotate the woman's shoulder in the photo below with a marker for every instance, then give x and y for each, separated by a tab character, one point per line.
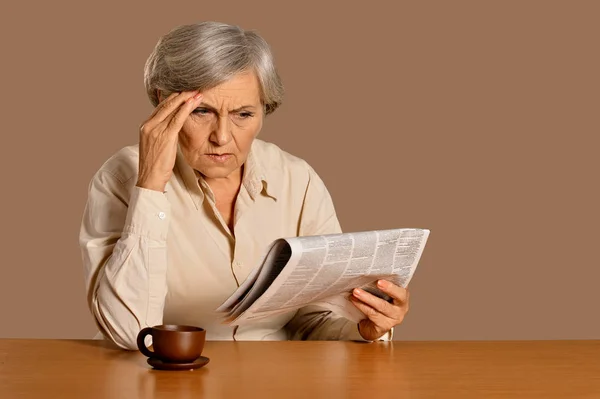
122	165
274	159
285	172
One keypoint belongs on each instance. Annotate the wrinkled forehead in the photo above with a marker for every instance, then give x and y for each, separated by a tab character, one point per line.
242	89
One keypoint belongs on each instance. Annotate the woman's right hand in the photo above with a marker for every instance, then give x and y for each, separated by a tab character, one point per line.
159	136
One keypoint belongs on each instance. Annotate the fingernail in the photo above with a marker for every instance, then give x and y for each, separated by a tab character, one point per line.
357	291
197	96
381	284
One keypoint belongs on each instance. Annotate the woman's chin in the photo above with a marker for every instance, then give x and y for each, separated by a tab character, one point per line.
215	171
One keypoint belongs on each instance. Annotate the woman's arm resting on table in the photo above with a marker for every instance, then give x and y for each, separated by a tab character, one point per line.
314	322
123	246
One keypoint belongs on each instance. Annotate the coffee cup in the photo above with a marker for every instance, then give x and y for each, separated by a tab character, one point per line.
173	343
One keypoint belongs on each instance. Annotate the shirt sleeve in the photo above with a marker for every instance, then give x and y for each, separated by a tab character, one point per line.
123	245
313	322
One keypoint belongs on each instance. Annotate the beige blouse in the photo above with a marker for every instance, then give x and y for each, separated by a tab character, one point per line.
153	258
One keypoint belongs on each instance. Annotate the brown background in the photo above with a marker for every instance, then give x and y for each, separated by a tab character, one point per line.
478	120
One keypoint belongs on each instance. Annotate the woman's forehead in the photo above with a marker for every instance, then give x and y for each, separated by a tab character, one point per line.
242	86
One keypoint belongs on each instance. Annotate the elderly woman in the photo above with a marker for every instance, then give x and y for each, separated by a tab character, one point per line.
173	225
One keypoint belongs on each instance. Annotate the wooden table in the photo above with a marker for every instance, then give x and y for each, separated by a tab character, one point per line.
92	369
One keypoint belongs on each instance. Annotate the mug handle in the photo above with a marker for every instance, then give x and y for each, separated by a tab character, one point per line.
141	344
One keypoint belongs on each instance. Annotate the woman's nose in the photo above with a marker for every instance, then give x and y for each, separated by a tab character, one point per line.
221	135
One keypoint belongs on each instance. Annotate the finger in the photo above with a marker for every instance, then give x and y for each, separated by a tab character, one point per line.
150	122
400	294
169	107
162	103
172	105
376	303
177	119
379	319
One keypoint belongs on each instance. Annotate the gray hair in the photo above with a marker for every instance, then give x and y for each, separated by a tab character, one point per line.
203	55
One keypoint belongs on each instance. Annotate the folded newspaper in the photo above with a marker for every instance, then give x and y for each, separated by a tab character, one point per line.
323	270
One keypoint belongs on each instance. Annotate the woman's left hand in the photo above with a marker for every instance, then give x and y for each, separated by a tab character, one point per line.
381	314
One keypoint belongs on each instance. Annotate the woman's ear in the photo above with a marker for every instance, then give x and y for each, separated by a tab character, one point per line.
158	95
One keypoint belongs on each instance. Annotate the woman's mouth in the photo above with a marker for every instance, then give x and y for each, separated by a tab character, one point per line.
219	157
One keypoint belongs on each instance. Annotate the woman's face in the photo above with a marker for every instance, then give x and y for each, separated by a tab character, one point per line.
217	136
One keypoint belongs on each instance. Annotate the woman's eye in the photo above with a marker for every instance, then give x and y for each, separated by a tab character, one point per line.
201	111
245	115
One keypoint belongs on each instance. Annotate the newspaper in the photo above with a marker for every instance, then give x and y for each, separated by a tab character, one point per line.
323	270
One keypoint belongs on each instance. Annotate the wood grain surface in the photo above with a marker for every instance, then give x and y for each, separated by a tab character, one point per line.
92	369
